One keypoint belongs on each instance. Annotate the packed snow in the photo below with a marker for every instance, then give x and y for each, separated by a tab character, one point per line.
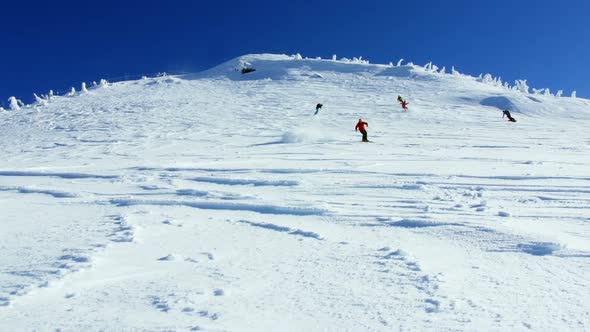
218	201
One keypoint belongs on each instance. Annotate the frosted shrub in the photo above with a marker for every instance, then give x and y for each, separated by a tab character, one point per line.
298	57
72	92
345	60
2	109
104	83
434	68
487	79
559	93
537	91
522	86
83	89
507	86
50	95
39	100
360	60
14	103
574	94
428	66
454	71
390	64
547	92
399	63
334	58
443	70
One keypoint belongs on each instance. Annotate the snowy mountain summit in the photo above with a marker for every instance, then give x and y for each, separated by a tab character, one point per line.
228	200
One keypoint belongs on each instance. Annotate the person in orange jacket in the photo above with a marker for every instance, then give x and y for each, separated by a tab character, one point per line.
360	126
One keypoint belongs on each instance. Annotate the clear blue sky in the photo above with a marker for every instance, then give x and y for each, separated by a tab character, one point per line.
56	45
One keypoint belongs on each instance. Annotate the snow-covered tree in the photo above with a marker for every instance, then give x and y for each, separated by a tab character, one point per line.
15	104
40	100
50	95
104	83
434	68
390	64
559	93
507	86
443	70
399	63
298	56
72	92
547	92
428	66
454	71
487	79
334	58
538	91
83	89
521	86
360	60
574	94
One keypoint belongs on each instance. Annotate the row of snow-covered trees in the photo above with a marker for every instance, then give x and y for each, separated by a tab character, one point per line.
15	104
519	85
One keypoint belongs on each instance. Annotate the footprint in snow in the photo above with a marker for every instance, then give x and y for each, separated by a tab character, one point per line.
170	257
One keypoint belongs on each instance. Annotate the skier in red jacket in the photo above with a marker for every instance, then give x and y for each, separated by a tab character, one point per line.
403	103
360	126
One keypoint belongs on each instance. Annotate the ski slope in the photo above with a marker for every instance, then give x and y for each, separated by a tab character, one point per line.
219	202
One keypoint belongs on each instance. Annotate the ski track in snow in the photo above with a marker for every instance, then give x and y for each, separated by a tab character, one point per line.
198	203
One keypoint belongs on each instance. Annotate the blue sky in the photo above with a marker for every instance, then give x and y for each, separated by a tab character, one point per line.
63	43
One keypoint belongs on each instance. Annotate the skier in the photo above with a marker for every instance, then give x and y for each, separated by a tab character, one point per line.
317	108
360	126
405	105
403	102
507	113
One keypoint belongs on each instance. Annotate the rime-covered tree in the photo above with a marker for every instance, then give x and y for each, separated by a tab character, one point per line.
14	103
521	86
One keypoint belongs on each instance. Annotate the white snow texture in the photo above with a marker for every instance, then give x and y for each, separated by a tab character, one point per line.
218	201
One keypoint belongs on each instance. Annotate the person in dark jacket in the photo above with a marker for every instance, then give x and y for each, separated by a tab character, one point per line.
360	126
317	108
507	113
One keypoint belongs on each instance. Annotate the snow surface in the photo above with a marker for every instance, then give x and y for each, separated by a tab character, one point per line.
219	202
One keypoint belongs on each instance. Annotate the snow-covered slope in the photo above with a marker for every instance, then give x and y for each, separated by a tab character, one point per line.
218	201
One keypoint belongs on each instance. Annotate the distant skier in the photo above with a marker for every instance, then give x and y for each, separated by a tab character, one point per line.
317	108
360	126
403	102
507	113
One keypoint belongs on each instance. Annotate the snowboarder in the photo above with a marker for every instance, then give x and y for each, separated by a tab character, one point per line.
507	113
317	108
403	102
360	126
